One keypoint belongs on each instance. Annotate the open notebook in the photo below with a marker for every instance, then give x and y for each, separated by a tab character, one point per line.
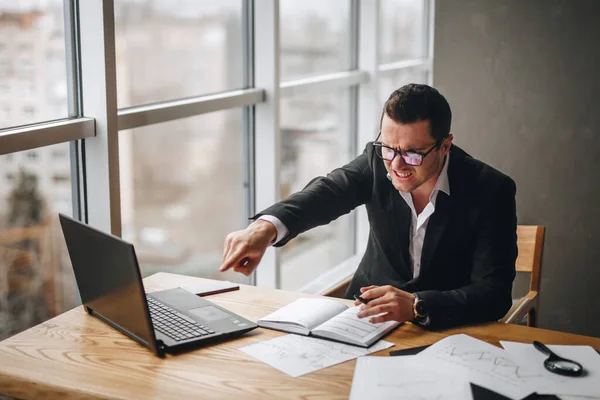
327	319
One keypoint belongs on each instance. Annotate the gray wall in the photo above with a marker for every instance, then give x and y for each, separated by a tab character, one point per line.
522	78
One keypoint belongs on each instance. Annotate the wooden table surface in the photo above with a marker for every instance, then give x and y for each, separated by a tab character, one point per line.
77	356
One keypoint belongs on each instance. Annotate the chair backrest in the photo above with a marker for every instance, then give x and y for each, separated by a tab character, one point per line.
530	241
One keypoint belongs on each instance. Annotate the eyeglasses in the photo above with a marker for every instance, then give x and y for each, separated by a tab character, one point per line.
413	158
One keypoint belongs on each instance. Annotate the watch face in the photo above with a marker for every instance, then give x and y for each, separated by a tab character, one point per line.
420	307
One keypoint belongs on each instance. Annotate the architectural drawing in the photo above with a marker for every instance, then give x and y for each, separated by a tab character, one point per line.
298	355
481	363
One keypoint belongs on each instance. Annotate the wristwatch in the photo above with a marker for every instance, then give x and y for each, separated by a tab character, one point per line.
419	310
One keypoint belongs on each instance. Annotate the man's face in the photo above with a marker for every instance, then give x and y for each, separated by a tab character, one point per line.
413	137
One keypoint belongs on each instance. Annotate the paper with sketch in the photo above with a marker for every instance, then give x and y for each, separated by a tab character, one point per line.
545	382
476	361
405	377
298	355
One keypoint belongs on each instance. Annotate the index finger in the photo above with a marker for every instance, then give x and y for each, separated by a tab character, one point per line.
365	288
232	261
383	300
373	293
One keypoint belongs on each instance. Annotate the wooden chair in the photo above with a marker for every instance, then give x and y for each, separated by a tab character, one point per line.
530	240
339	290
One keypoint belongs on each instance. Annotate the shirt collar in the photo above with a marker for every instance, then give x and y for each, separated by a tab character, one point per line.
442	184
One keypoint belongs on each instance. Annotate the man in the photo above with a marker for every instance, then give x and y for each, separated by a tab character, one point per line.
442	242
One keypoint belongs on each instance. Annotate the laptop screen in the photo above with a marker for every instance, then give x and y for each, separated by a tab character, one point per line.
108	278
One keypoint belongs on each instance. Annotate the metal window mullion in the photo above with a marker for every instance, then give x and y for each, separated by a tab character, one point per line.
73	98
368	97
267	130
320	83
99	99
354	33
248	43
72	57
353	107
430	37
248	116
405	64
46	134
138	116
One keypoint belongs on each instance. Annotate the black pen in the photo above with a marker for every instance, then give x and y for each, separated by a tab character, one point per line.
364	301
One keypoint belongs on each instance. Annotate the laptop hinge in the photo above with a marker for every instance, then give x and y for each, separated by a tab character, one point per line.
160	346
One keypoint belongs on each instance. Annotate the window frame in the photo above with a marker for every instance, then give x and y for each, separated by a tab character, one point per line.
94	119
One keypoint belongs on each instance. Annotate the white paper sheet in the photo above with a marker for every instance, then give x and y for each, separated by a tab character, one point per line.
407	377
476	361
298	355
545	382
569	397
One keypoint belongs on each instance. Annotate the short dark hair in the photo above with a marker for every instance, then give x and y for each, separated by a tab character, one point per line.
416	102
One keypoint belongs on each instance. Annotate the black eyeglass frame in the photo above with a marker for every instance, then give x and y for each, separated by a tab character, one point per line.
402	152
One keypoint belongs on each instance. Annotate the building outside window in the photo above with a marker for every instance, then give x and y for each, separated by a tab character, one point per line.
315	38
36	274
29	112
36	278
4	66
4	90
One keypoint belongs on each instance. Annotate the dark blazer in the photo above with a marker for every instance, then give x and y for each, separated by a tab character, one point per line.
470	246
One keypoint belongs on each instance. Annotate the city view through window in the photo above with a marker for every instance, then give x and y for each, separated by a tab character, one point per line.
36	280
182	183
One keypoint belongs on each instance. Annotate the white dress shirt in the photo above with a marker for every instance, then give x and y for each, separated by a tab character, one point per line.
418	223
282	230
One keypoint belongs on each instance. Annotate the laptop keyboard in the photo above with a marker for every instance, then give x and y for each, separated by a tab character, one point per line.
173	324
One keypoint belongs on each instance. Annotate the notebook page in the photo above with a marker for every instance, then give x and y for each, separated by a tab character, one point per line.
347	324
307	312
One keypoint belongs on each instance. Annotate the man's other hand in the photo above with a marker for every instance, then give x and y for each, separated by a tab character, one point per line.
244	249
394	304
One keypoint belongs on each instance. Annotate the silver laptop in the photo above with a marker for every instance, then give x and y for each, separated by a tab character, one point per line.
109	280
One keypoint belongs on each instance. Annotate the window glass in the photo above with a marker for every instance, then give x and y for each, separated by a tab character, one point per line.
315	37
394	80
402	30
316	138
182	192
167	50
28	32
36	278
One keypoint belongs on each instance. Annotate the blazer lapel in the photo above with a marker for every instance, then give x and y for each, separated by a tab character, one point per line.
444	208
435	228
402	219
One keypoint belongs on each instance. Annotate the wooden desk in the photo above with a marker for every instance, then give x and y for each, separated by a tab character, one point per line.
77	356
